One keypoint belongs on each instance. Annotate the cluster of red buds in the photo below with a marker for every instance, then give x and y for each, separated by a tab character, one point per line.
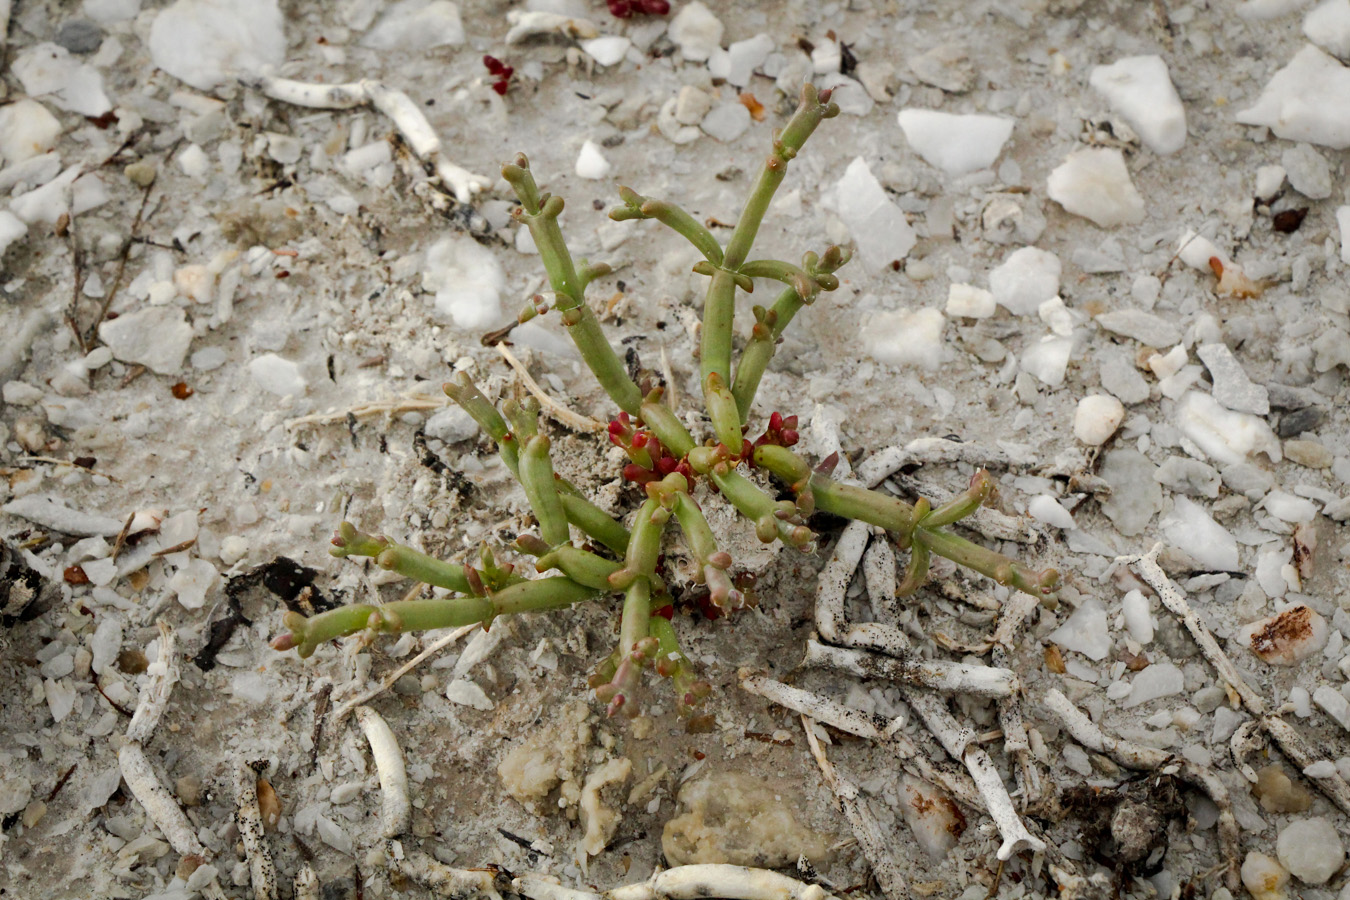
782	432
650	461
501	71
623	9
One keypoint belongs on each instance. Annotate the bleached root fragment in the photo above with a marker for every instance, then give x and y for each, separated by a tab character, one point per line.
413	401
460	884
396	809
936	674
154	698
833	581
398	106
865	826
879	575
1148	759
719	880
542	887
871	727
1290	742
960	743
1246	740
306	883
1016	743
563	415
436	647
160	807
262	872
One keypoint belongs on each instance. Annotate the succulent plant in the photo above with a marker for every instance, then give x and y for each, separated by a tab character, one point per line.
664	458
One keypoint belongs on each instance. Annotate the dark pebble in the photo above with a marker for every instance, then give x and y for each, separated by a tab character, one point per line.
79	36
1300	420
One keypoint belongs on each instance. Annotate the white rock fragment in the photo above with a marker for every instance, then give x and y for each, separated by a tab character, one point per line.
1094	183
206	43
1025	280
1328	26
1196	250
334	836
1309	172
192	582
1287	638
11	229
1085	631
607	50
1048	359
738	63
591	163
879	228
467	280
956	144
726	121
416	25
1097	418
527	23
1140	89
27	130
60	697
277	375
1047	509
1232	387
194	162
53	513
467	693
48	70
1334	704
971	302
156	337
1264	877
696	31
1226	436
1193	531
905	338
1138	618
1311	850
1270	179
1304	101
931	815
1161	679
1289	508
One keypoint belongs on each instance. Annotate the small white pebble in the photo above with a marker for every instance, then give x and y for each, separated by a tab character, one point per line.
1047	509
969	301
1138	619
1311	850
1097	418
591	163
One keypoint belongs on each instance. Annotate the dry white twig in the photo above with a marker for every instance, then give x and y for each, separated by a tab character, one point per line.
1016	744
1300	753
405	114
866	725
960	743
565	416
437	646
160	807
719	880
865	826
414	401
154	698
396	811
936	674
262	872
1148	759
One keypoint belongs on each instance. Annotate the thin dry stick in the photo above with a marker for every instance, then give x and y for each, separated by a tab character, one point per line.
436	647
1016	744
865	826
565	416
412	402
1293	745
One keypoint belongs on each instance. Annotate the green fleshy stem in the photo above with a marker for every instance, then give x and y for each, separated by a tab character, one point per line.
987	562
405	561
464	392
760	509
581	566
420	615
540	214
721	406
667	427
640	564
592	520
759	350
541	489
698	534
638	207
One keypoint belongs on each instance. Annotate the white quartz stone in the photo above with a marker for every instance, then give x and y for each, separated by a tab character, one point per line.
905	338
1025	280
879	228
1328	26
1192	530
969	301
1095	184
1226	436
1304	101
956	144
1140	89
1097	418
591	162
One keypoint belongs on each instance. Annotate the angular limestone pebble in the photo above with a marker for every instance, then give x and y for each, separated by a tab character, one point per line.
1096	185
1140	89
742	820
1287	638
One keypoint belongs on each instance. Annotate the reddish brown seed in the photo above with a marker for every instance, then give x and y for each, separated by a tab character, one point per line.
1287	221
75	575
181	391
